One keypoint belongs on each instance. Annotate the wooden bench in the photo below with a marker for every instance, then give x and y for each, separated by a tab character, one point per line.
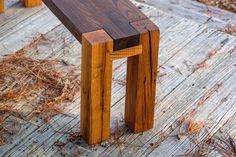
27	3
109	30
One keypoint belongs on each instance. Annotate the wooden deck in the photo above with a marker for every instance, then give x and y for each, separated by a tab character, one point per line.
197	63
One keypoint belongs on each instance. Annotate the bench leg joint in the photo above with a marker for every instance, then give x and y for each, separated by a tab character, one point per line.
141	84
96	86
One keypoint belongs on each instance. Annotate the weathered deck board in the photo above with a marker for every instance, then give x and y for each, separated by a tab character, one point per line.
11	20
201	8
184	43
30	20
209	112
41	55
23	34
76	50
123	90
169	108
210	16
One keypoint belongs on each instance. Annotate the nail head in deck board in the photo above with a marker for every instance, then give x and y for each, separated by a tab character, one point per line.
114	16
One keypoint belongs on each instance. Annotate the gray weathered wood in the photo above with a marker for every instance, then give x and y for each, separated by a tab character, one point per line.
184	43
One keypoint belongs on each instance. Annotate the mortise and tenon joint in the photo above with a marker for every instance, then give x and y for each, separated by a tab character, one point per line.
110	30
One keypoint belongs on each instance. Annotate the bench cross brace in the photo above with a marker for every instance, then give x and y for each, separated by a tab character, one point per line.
97	57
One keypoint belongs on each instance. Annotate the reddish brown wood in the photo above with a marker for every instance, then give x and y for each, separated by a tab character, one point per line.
96	86
114	16
109	30
141	79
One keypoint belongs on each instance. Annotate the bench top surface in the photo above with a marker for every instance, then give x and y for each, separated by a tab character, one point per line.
114	16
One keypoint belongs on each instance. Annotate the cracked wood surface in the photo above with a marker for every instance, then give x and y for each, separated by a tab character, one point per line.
184	44
114	16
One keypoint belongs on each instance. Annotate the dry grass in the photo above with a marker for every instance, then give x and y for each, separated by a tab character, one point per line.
46	86
223	145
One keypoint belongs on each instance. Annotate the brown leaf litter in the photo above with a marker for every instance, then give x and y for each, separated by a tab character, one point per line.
188	126
46	86
231	29
223	144
229	5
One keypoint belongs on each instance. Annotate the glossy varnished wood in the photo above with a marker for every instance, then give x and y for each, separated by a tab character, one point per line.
114	16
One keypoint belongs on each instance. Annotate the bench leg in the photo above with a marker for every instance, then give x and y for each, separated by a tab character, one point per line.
96	86
141	84
32	3
1	6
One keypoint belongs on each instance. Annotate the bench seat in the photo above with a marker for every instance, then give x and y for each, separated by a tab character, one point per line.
116	17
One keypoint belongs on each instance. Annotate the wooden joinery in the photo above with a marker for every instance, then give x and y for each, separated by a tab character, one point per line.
96	86
114	16
110	30
141	80
125	53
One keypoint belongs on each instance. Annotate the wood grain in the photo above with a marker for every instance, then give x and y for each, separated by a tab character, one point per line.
114	16
32	3
2	6
211	16
96	86
141	79
181	41
125	53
